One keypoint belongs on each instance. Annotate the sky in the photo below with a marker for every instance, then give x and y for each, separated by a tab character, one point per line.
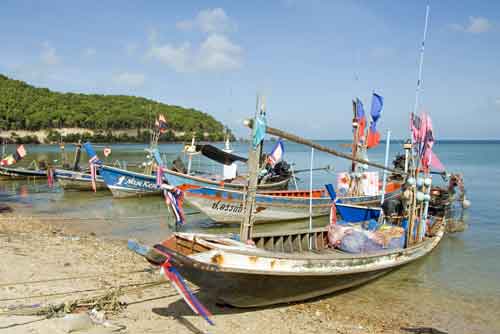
309	58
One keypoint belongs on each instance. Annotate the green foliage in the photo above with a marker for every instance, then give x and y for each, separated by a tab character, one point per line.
24	107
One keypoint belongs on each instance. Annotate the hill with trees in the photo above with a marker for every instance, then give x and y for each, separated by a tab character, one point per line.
25	107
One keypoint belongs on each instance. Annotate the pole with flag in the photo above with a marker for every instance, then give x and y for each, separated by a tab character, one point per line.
373	138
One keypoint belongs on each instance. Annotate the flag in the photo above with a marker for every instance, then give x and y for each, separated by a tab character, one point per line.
171	274
159	175
426	136
174	199
20	153
259	129
107	151
361	119
375	112
161	123
13	158
276	154
8	160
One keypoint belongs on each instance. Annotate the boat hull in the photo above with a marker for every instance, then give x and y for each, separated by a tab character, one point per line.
124	183
242	275
21	173
226	206
246	290
73	180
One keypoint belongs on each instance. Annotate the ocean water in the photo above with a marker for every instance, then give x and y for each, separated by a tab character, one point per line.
466	266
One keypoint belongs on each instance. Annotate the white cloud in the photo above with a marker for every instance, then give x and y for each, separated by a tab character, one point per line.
49	55
215	53
89	52
130	79
208	21
476	25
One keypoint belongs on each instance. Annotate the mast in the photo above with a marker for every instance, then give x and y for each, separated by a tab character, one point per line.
420	66
355	126
251	189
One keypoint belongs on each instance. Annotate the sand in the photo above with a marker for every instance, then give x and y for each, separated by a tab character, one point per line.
34	250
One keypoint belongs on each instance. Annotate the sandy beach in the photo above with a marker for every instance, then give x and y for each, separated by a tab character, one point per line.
32	250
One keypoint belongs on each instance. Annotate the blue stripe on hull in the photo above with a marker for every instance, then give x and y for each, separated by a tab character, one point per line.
128	181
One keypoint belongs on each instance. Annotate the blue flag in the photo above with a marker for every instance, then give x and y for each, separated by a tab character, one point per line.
259	129
376	110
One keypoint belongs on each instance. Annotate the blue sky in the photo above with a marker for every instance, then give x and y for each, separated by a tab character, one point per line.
309	58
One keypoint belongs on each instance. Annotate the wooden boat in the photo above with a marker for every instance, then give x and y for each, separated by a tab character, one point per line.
125	183
226	206
276	267
176	179
78	180
255	269
277	179
21	173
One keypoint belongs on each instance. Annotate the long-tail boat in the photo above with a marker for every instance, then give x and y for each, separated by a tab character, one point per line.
75	178
262	269
226	206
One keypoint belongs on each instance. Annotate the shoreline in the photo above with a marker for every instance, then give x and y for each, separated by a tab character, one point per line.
49	250
52	250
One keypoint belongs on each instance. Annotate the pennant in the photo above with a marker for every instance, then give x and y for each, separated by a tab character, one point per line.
161	123
376	110
159	175
174	199
277	153
50	177
106	151
20	153
171	274
361	119
13	158
259	129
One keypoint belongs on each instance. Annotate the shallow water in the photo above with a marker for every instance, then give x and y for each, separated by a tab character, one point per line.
465	268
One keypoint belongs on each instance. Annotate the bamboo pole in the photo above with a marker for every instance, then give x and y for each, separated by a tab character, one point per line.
310	143
246	230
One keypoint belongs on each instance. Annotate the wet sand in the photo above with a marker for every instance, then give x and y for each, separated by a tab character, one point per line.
35	250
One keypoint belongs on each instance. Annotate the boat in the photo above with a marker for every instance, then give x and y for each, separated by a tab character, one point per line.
78	180
21	173
276	178
124	183
260	269
276	267
226	206
7	171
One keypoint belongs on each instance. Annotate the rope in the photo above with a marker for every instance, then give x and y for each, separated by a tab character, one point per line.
72	278
151	283
96	218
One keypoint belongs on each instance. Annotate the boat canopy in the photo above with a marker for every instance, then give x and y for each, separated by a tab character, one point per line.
219	155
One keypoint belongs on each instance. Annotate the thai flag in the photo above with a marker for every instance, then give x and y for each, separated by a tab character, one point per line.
20	153
161	123
277	153
174	199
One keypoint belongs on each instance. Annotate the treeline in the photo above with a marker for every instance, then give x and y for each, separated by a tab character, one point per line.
24	107
142	136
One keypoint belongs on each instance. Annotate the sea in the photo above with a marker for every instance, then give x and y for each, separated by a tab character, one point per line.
458	283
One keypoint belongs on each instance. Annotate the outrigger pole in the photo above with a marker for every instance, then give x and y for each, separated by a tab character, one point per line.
310	143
